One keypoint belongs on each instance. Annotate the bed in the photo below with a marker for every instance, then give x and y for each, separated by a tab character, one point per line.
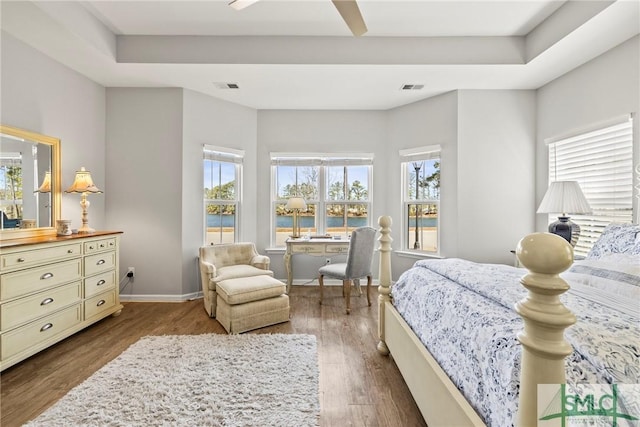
473	343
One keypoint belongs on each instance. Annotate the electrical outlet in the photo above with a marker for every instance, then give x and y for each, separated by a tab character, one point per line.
131	272
328	261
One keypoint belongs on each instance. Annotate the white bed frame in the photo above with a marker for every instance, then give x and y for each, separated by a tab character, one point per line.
543	345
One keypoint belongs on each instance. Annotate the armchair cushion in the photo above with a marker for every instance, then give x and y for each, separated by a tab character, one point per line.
239	271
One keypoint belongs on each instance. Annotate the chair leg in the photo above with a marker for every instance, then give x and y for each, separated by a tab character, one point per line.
321	283
368	288
346	286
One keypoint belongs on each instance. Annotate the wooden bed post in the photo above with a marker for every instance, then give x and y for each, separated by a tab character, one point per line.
384	275
544	348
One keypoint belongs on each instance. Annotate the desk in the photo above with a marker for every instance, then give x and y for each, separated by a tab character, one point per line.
313	247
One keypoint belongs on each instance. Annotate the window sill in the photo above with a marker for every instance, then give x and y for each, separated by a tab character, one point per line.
418	255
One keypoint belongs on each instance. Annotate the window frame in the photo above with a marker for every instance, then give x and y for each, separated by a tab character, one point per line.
322	161
227	156
407	158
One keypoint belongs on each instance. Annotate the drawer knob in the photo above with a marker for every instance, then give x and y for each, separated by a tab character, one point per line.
46	276
101	282
45	327
110	243
102	245
100	262
90	247
21	260
101	302
70	251
46	301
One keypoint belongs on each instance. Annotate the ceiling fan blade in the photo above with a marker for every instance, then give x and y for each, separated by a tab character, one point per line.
350	12
241	4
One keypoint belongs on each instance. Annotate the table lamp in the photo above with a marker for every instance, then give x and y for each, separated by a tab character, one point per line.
296	204
565	197
45	187
83	184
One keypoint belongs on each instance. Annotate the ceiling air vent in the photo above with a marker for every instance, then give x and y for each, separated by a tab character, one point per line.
222	85
411	87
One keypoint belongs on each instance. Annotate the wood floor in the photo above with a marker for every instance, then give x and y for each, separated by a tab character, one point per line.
358	387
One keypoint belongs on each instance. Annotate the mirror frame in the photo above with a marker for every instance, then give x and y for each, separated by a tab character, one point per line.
56	199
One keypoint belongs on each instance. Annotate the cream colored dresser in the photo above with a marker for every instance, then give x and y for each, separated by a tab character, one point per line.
52	287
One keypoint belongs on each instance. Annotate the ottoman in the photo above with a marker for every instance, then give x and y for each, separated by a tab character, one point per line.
254	302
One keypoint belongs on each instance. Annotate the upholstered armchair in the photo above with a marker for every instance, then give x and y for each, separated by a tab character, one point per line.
228	261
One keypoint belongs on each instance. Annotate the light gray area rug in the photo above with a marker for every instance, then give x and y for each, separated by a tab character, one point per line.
199	380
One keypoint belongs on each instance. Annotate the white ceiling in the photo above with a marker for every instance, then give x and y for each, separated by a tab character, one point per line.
301	55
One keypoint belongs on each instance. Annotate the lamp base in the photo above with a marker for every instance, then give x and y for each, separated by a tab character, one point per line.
86	230
568	230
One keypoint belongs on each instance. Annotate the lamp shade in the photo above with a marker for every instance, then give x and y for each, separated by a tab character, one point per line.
296	203
564	197
83	183
45	187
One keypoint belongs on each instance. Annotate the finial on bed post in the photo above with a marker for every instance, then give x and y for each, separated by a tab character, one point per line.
384	277
544	348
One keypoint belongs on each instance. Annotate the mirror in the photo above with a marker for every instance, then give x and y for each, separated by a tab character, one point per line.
30	193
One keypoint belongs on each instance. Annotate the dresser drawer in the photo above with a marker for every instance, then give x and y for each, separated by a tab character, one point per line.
36	279
34	333
98	263
99	245
337	249
25	259
307	249
99	283
99	303
24	310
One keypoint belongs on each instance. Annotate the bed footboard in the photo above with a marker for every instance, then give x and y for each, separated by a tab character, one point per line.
544	348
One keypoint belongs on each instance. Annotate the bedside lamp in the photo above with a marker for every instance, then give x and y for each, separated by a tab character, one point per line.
296	204
83	184
564	197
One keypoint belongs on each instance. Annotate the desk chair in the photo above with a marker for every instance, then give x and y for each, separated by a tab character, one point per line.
358	264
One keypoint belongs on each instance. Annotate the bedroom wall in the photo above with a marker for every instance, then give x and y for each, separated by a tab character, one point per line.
600	90
488	142
144	167
208	120
496	152
44	96
427	122
155	141
317	131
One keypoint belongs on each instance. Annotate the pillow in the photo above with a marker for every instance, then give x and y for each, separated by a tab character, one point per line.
613	273
617	239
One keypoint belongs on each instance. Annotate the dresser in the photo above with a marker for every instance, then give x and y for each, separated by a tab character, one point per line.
52	287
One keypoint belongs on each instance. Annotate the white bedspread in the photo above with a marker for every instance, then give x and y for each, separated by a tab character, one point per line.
463	312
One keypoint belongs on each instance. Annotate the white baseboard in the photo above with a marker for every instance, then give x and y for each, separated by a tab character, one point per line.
198	295
160	298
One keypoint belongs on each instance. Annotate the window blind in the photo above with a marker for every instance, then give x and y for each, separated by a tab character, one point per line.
220	154
601	162
321	159
428	152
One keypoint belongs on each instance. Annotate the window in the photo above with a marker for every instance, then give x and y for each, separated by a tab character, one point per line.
421	198
601	162
336	188
222	194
